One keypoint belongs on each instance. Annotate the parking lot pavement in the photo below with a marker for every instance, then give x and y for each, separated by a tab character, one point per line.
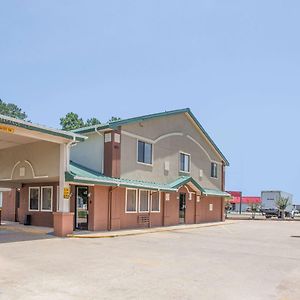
245	260
10	236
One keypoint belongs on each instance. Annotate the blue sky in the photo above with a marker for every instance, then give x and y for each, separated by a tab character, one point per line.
234	63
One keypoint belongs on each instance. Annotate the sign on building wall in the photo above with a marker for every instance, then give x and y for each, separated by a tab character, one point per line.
7	129
67	192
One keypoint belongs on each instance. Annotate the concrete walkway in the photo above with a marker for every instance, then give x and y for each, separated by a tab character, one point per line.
120	233
17	227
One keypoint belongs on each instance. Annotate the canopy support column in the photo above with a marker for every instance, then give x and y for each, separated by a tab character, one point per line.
63	219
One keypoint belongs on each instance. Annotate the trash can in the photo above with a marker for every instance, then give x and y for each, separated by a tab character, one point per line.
27	220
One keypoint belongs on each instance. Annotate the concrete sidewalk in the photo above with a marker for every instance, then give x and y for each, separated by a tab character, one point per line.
17	227
120	233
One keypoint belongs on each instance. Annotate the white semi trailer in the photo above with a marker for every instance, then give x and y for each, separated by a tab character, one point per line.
268	203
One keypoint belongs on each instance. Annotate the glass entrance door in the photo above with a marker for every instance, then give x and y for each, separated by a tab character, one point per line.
182	207
82	207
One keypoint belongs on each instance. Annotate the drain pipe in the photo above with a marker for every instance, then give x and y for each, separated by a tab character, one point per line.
102	158
111	189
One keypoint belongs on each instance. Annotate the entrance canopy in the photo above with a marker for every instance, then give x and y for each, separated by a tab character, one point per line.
30	152
190	181
14	132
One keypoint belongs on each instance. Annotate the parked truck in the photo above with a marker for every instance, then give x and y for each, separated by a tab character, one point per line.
269	208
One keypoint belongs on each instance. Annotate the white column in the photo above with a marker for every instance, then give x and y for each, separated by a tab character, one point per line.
64	204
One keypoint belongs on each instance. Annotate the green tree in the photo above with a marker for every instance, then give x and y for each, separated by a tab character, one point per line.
12	110
254	207
71	121
227	206
282	203
113	119
92	121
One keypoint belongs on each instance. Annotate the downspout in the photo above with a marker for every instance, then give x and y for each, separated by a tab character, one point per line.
102	158
110	206
195	217
69	145
163	209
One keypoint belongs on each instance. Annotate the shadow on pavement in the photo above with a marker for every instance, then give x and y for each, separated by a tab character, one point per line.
11	236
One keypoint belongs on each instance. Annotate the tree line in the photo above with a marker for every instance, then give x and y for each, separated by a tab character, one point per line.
70	121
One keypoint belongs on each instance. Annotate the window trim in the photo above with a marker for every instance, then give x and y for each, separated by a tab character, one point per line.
51	188
148	198
137	152
190	160
136	201
159	197
39	197
216	164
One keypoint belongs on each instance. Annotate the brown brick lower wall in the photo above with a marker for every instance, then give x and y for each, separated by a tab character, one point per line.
100	214
8	206
108	203
38	218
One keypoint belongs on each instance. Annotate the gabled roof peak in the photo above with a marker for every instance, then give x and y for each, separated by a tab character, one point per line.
116	124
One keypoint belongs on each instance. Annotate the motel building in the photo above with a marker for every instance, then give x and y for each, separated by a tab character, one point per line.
155	170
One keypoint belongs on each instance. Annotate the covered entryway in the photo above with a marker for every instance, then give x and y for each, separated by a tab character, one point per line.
33	162
182	207
82	207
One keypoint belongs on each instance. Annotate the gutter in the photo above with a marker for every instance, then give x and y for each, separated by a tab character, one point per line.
34	127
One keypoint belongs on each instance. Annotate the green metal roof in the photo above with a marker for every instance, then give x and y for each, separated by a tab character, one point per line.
84	175
207	192
184	180
81	174
212	192
39	128
116	124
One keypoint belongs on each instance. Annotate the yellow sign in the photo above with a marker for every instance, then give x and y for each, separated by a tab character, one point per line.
7	129
66	193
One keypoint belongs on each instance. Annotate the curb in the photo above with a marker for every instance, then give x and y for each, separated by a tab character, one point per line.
78	236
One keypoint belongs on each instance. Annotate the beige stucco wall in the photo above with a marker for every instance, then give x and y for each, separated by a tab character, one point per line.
38	159
169	135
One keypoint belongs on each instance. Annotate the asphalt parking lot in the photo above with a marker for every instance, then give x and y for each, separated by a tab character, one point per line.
244	260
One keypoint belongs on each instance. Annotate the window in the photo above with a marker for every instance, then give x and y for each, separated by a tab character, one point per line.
144	152
155	202
184	162
214	170
47	197
34	198
144	201
131	200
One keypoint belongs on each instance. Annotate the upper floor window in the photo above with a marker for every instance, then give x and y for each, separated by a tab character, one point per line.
144	152
184	162
214	170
